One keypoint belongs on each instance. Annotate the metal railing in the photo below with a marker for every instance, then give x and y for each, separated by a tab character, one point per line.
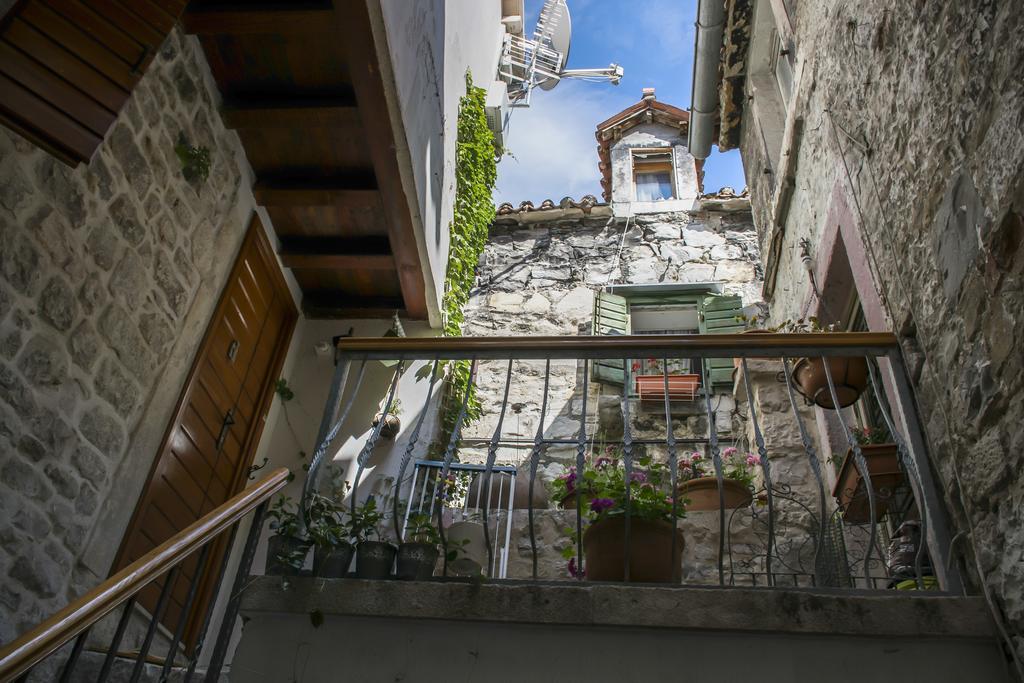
74	622
781	536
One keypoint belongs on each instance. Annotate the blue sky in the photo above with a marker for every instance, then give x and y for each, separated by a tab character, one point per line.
554	153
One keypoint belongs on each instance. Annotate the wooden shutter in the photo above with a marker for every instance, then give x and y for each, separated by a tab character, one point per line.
720	315
611	316
68	66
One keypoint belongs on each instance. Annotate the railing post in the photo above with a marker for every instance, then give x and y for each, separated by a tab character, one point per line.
220	647
939	538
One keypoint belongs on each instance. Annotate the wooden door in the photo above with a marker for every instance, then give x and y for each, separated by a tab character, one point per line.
211	440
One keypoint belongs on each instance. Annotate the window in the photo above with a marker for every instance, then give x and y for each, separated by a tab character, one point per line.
652	175
665	311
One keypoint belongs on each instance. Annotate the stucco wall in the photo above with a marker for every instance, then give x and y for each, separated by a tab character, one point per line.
109	274
911	149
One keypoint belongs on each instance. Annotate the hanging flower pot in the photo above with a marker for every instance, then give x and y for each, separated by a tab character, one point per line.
849	374
467	539
651	559
701	494
886	476
391	425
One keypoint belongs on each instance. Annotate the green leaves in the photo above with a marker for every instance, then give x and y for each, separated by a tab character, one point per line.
283	391
316	617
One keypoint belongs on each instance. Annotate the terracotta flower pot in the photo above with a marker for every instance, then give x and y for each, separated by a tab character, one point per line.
884	469
650	551
680	387
416	561
849	374
391	425
332	563
702	494
374	559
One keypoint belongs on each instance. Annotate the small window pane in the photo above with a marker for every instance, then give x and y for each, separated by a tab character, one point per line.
653	186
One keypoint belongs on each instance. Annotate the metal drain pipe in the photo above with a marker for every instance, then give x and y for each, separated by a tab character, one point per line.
707	50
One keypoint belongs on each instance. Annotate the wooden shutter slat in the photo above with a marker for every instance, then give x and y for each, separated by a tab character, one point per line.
718	315
36	118
99	28
50	87
66	35
611	316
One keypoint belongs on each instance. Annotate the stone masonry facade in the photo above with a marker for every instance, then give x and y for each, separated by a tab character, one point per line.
109	272
910	118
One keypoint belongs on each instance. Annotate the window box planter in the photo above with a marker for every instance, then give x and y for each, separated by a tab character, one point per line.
374	559
650	548
680	387
849	373
886	476
701	494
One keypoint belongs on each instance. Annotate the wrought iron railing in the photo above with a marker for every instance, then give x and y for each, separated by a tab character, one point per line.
21	659
858	535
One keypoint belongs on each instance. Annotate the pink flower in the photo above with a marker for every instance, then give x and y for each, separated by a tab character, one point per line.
696	457
730	451
753	459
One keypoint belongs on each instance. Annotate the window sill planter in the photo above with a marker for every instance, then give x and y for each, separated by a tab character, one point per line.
468	540
374	559
416	561
279	547
886	476
701	494
391	425
332	563
650	547
849	373
680	387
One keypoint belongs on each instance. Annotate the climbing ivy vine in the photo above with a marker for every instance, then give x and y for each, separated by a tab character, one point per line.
475	174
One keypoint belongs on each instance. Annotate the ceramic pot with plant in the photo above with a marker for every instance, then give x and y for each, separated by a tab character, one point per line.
883	461
392	422
849	373
332	547
653	556
374	556
466	546
287	547
699	484
418	553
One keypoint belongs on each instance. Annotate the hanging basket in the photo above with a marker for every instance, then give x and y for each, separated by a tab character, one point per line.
849	374
886	476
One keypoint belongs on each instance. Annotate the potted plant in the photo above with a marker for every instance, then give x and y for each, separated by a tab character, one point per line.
650	380
651	556
883	462
466	546
391	420
699	484
332	547
849	373
374	556
418	553
286	548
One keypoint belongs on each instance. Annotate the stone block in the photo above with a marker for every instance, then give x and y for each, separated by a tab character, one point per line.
84	345
126	151
537	304
31	448
90	464
118	389
702	238
20	264
32	522
577	304
91	293
16	191
734	271
43	362
505	301
124	337
15	393
102	244
87	501
662	231
156	331
103	430
57	304
21	477
696	272
726	252
63	480
163	273
130	279
677	253
125	215
38	572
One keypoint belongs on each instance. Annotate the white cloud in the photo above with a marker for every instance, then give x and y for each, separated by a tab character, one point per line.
552	141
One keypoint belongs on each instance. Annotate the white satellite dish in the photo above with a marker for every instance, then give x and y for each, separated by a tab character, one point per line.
539	62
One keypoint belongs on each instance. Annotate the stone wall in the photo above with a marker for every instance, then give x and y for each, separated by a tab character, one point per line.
108	275
538	276
922	103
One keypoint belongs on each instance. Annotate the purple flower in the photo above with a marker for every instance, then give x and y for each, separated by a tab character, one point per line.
601	463
573	570
638	477
601	504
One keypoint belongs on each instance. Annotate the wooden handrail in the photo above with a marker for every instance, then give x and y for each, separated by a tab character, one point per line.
638	346
21	655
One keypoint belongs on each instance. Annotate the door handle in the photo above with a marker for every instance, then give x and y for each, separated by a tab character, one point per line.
232	350
225	427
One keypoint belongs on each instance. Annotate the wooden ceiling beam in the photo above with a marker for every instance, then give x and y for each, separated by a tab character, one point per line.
269	193
352	21
339	305
256	18
329	253
292	114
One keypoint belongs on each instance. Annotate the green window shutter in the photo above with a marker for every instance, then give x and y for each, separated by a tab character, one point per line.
720	315
611	317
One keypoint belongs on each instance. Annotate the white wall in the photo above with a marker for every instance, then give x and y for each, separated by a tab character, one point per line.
431	44
652	135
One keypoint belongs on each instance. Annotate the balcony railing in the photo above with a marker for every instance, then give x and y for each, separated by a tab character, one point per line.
782	517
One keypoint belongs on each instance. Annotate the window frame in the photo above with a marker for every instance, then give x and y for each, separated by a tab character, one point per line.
635	152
